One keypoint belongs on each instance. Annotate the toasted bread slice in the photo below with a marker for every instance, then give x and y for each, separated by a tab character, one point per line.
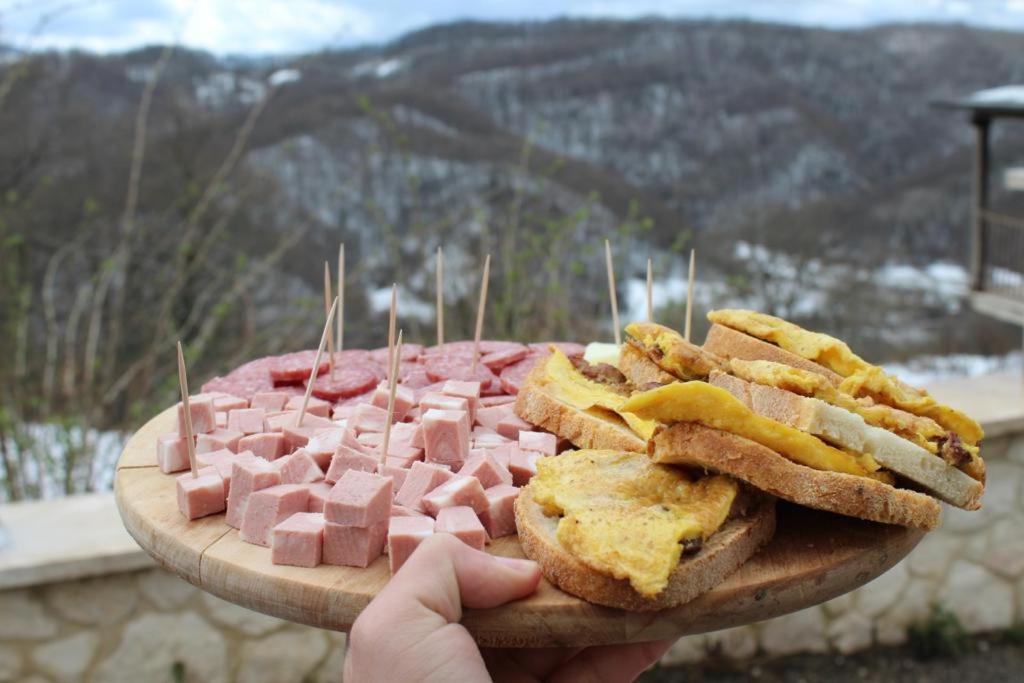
848	430
729	343
689	443
640	370
728	548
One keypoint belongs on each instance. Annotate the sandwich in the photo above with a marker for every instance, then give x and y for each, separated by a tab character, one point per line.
608	524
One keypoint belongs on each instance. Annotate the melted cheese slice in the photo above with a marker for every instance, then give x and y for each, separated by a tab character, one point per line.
862	378
565	383
627	517
715	407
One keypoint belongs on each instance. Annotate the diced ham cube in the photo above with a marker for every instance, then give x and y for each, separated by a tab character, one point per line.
405	460
247	420
210	458
405	399
269	507
318	493
344	412
464	389
445	437
421	480
499	515
396	473
492	416
297	437
323	445
349	459
486	469
171	453
225	403
275	422
511	425
368	418
497	400
416	439
523	466
539	441
269	445
217	440
269	400
316	406
405	535
200	496
352	546
222	419
402	511
360	499
459	490
462	523
299	540
248	476
489	441
204	416
298	468
371	440
438	401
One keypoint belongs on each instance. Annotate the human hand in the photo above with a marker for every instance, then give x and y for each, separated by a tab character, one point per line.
411	630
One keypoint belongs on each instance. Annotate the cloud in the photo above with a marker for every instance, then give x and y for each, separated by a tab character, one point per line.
290	26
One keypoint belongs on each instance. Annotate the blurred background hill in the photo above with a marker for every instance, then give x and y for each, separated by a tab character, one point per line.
167	193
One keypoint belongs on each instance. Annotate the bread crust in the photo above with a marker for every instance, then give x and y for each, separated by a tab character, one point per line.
641	370
689	443
729	343
726	551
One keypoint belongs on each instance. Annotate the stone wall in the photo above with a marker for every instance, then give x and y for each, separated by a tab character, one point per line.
149	625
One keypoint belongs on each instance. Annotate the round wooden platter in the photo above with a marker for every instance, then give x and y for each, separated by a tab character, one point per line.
813	557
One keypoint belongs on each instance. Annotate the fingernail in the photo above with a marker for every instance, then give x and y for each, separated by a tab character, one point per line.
517	564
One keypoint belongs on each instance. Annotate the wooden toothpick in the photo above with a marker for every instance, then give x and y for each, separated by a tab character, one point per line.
187	413
392	388
689	297
391	322
611	291
327	308
440	296
481	305
316	363
650	295
340	320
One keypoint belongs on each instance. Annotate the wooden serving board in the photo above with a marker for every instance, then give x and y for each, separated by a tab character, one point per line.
813	557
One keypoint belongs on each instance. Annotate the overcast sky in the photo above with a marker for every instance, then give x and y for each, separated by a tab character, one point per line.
284	26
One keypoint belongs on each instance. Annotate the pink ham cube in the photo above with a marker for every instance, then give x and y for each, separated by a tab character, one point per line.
368	418
486	469
539	441
217	440
459	490
211	458
371	440
489	441
467	390
523	466
402	511
445	437
270	401
510	426
247	420
359	499
502	453
225	403
491	417
318	493
298	468
316	407
499	515
299	540
200	496
352	546
269	445
343	412
438	401
222	419
171	453
248	476
497	400
405	535
396	473
462	523
298	437
421	480
349	459
275	422
324	444
204	416
269	507
405	399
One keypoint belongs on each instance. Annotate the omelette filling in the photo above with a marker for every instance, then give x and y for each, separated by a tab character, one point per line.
624	516
670	351
861	379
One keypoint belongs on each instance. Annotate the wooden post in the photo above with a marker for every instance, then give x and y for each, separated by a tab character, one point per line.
979	204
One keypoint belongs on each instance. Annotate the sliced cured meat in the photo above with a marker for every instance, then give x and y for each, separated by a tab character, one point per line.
571	349
444	367
513	376
365	397
496	360
410	352
416	379
295	367
348	381
494	346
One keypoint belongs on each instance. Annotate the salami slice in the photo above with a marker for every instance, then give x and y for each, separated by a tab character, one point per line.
497	346
513	376
496	360
571	349
348	381
295	367
410	352
445	367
